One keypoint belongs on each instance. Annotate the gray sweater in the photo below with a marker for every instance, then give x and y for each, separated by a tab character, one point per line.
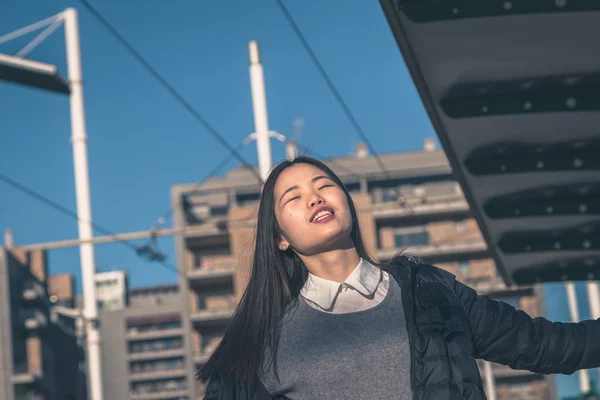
360	355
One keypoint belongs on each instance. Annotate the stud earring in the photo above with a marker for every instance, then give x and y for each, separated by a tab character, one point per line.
283	247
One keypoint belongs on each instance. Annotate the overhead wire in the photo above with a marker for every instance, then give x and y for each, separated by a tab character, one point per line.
65	211
168	87
341	166
331	161
233	152
168	214
329	82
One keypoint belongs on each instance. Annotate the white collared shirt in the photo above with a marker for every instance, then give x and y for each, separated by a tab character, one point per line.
364	288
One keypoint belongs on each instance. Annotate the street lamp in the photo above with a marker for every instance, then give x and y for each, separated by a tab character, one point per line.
15	69
32	73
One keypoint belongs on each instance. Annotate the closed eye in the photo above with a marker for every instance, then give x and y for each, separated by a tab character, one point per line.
323	187
293	198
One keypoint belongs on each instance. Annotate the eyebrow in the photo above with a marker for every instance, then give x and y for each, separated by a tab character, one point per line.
313	180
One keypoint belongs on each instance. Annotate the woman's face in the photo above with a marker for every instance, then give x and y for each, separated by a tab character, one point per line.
312	210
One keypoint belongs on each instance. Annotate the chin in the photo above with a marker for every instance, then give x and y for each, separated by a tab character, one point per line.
335	240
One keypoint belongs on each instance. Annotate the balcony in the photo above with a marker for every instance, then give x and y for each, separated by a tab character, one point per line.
158	374
167	394
211	227
458	248
213	317
210	274
34	319
448	205
202	356
23	375
208	234
153	355
33	290
133	334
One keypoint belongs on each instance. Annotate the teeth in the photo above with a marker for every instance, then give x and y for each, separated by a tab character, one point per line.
321	215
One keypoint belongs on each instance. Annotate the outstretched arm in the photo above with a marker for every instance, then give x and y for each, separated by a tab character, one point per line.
510	337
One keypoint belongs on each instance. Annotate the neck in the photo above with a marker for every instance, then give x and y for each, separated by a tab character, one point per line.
334	265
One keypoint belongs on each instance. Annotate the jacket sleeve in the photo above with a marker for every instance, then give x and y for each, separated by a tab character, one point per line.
510	337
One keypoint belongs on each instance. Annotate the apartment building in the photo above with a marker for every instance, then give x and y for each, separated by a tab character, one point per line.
418	208
40	357
144	357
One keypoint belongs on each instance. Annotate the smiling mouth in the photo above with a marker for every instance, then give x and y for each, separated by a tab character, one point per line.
323	215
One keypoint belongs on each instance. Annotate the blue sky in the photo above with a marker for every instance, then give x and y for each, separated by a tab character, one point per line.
141	141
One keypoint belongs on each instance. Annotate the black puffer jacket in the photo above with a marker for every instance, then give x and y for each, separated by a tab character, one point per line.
450	326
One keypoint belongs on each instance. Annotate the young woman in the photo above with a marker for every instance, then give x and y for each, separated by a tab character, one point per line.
320	319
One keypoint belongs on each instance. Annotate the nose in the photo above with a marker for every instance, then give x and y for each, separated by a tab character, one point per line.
315	200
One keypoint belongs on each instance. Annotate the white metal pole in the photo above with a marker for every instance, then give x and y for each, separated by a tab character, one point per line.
84	212
259	104
490	382
290	150
584	376
594	300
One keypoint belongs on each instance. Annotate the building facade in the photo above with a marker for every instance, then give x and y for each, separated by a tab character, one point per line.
417	207
40	357
144	357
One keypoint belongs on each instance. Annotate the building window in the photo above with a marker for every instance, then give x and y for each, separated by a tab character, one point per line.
416	236
155	345
157	365
246	198
158	386
219	211
463	267
153	323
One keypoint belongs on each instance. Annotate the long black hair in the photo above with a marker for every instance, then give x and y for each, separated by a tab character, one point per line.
275	280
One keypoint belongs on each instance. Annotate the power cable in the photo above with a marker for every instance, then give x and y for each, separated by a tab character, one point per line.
331	161
165	217
166	85
336	93
63	210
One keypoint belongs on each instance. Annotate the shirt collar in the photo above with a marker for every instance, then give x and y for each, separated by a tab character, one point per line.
364	279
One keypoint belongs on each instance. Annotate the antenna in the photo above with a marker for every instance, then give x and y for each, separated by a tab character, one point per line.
298	124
